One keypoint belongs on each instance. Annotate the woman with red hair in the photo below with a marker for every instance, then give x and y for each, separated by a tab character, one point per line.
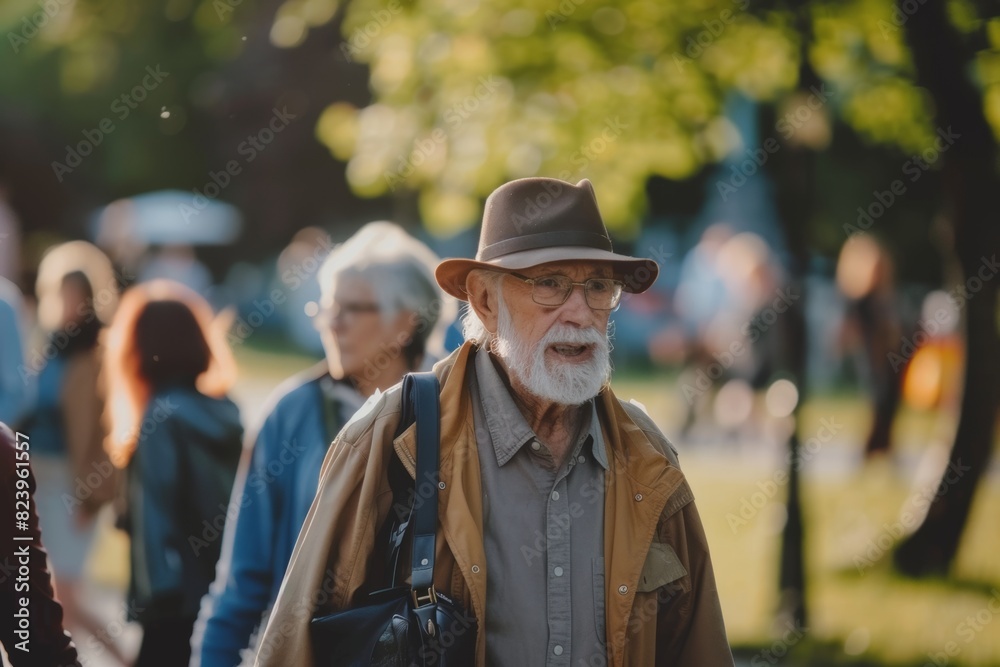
179	438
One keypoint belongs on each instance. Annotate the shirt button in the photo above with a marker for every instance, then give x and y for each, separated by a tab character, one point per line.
555	495
582	459
535	445
557	649
623	589
638	497
475	569
558	571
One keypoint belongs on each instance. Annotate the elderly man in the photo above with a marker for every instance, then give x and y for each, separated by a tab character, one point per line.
565	524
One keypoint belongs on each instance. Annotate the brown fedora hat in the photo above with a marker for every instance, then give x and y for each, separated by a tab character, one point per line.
534	221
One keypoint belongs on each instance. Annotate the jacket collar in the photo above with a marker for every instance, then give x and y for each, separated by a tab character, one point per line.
632	453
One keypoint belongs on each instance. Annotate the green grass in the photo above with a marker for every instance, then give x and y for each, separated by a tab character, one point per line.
860	609
271	360
859	614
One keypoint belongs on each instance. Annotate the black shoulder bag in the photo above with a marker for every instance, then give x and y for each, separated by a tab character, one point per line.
405	626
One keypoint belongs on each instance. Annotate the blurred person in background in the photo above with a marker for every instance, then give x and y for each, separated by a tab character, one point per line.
702	293
10	239
731	301
179	438
745	346
47	644
14	394
177	263
936	354
702	290
382	315
297	270
75	477
866	278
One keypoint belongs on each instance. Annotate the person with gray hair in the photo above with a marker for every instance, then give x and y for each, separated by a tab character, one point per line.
381	316
395	272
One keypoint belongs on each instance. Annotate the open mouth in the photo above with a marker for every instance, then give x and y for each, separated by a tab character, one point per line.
568	350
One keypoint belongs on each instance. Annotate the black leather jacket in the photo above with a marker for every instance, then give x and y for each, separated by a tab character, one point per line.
24	574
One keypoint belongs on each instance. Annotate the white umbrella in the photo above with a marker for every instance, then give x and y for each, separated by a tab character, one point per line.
167	217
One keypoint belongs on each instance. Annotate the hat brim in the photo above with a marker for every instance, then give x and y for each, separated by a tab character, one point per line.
637	274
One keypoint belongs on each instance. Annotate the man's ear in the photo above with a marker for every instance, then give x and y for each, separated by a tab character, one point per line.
483	300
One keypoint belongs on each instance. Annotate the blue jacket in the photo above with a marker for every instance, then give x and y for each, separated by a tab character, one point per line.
178	482
15	376
274	489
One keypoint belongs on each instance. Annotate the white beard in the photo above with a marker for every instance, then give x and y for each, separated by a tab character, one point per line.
565	384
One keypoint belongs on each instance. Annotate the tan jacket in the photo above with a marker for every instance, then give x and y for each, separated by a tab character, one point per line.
95	479
662	607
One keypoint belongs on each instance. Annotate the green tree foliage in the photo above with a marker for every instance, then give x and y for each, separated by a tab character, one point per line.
81	70
469	95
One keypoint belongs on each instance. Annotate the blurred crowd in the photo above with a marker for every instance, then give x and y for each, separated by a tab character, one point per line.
117	364
726	316
122	393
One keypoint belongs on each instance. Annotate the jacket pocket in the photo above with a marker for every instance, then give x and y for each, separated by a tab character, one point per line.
662	567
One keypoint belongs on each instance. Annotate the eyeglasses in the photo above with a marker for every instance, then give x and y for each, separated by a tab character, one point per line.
554	290
342	310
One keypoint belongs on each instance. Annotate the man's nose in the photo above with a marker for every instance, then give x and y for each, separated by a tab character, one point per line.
576	311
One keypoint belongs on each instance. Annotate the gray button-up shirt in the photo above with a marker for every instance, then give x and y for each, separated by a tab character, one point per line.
544	535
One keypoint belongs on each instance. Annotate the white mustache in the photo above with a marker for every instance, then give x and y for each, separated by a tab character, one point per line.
562	334
562	382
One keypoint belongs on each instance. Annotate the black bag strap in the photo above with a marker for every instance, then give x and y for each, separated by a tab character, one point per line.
419	398
422	390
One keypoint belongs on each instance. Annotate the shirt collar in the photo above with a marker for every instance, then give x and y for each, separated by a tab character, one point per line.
509	431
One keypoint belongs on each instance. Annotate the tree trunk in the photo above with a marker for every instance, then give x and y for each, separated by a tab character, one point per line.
795	176
970	182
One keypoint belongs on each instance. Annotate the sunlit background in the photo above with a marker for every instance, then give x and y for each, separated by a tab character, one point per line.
816	181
